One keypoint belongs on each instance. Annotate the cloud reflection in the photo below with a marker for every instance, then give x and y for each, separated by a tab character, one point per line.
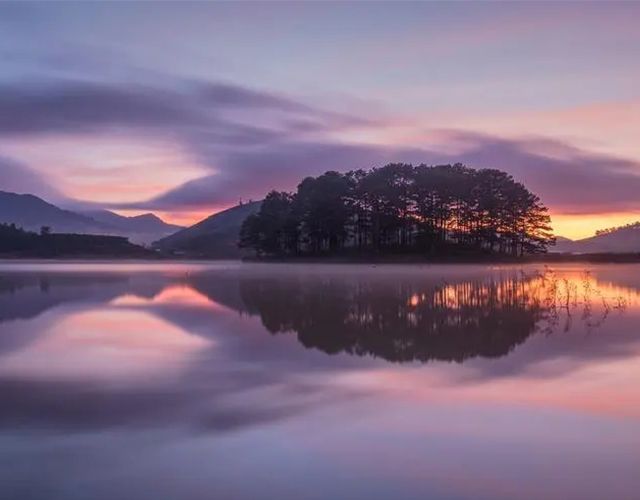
94	340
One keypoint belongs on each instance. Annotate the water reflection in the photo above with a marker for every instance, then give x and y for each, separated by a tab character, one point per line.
191	379
426	321
407	318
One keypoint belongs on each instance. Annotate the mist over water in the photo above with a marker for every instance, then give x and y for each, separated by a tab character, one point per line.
250	381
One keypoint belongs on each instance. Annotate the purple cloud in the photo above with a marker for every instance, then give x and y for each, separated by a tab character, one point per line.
76	107
201	110
568	179
18	178
254	141
250	173
576	182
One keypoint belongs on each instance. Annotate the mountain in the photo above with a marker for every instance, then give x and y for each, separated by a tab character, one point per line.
563	245
144	228
624	239
31	213
215	237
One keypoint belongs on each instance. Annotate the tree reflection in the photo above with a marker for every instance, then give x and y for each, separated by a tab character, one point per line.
408	322
391	314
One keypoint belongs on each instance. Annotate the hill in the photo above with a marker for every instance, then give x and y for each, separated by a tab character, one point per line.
144	228
624	239
32	213
214	237
562	245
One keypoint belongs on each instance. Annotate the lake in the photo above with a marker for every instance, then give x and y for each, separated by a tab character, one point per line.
226	380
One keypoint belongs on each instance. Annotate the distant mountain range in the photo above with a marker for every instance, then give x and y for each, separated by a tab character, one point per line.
625	239
145	228
31	213
217	235
214	237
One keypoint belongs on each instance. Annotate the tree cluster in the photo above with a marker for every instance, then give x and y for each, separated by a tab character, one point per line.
15	241
615	229
401	208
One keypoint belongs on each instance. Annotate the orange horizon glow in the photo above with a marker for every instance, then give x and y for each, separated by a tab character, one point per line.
572	391
172	294
581	226
572	226
187	218
109	344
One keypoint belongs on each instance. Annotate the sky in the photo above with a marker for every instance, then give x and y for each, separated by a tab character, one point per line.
186	108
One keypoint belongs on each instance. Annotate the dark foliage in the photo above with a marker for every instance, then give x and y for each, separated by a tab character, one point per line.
405	322
401	208
214	237
615	229
18	242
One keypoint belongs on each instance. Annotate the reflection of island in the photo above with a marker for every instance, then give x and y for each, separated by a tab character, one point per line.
396	316
229	382
450	322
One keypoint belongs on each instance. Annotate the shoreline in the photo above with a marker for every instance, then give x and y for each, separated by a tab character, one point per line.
603	258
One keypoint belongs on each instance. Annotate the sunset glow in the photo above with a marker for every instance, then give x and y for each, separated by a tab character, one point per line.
301	249
113	115
472	381
584	225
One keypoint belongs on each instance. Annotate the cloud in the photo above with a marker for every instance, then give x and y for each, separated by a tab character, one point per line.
250	173
184	108
221	94
16	177
222	126
568	179
252	141
86	107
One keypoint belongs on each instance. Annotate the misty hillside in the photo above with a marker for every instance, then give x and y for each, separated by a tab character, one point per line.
624	239
216	236
562	245
32	213
144	228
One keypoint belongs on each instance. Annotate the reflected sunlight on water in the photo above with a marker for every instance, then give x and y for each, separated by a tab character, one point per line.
107	344
172	294
404	382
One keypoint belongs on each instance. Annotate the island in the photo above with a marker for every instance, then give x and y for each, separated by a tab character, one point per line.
401	209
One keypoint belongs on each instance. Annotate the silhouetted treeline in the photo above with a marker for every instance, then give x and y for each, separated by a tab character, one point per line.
398	319
401	208
17	242
402	322
615	229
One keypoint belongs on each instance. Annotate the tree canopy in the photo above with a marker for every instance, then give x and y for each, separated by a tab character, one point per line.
401	208
15	241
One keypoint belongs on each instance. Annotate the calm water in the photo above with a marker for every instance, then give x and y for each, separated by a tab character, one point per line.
237	381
